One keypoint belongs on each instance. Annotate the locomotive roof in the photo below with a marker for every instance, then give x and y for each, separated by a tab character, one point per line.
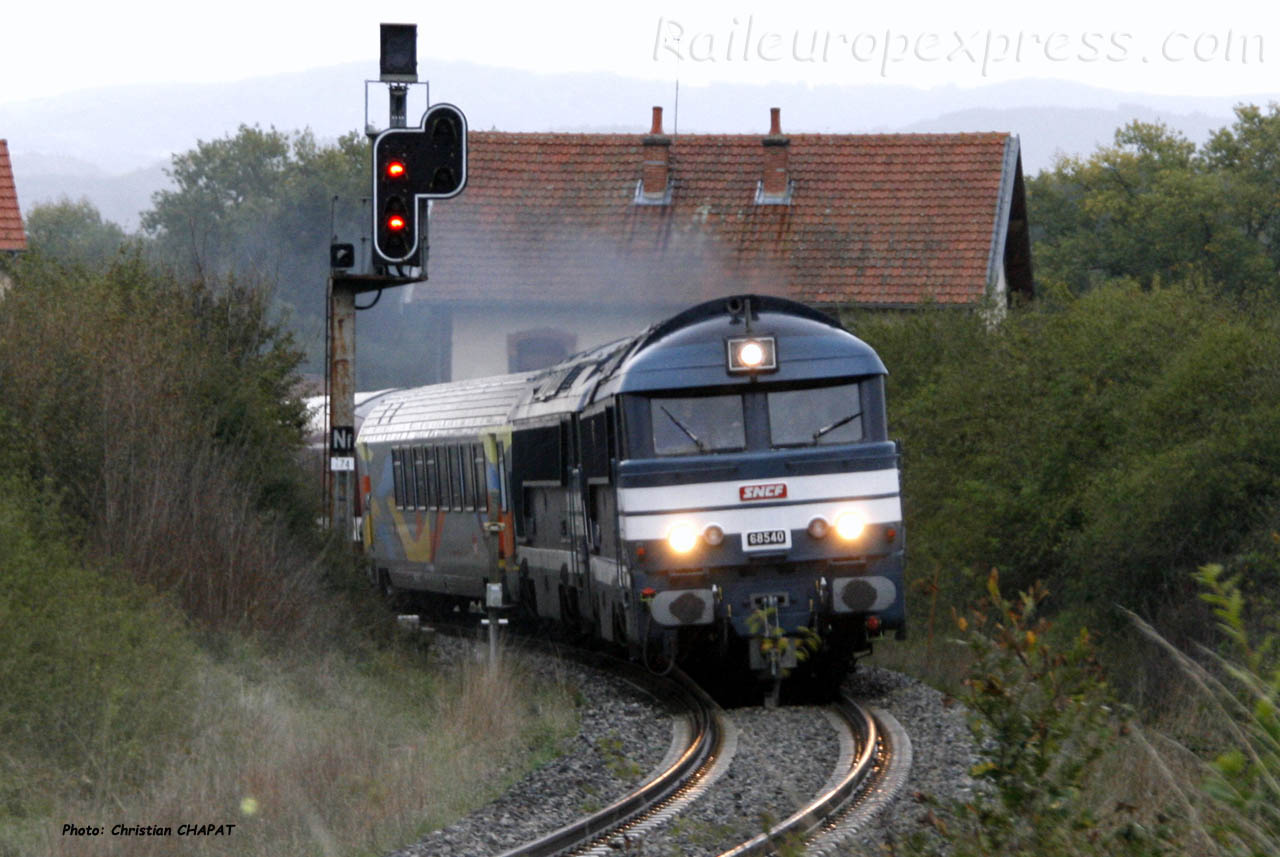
685	351
689	350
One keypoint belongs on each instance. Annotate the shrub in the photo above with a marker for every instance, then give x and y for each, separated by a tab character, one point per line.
1041	718
96	671
162	414
1105	444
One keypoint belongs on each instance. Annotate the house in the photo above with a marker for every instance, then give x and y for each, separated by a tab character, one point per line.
13	239
564	241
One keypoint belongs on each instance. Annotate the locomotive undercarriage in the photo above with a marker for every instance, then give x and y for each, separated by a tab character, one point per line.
773	621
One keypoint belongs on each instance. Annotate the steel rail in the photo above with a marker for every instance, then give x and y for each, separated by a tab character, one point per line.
809	818
707	734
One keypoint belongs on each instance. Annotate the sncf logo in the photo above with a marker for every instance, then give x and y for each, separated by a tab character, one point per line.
772	491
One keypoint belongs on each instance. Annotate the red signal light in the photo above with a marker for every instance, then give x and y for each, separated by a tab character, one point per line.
395	170
395	223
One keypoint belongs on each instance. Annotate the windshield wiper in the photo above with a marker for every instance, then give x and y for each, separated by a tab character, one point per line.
835	425
702	447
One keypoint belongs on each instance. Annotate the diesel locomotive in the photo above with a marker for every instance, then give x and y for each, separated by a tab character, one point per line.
720	487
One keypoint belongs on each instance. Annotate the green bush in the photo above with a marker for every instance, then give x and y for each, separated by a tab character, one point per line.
163	414
1041	718
1105	444
96	672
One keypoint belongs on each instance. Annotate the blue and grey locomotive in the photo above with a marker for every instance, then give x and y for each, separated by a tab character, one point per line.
722	482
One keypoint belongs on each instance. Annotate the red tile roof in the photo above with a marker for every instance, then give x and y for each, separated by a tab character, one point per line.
875	219
12	236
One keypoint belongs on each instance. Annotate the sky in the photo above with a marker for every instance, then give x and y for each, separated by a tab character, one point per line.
1227	47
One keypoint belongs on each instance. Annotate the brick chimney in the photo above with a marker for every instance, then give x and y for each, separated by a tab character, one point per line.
654	178
776	181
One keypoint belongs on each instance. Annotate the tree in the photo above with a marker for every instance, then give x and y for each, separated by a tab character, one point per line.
1149	208
264	205
73	233
1246	160
258	201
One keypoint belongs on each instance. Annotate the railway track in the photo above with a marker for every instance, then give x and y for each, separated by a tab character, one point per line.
869	771
708	743
874	760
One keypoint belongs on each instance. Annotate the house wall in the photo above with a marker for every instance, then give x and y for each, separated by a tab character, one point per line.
481	334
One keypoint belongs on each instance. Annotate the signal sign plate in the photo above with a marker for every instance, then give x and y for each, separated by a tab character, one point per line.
342	440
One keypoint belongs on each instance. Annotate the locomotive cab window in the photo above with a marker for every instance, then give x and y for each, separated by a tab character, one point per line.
816	416
688	425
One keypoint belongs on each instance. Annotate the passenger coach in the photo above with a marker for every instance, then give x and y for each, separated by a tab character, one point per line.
720	486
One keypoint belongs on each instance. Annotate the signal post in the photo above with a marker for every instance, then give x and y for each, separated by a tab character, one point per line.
411	167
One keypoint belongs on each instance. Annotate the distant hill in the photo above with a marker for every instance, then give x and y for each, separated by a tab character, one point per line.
1048	132
111	144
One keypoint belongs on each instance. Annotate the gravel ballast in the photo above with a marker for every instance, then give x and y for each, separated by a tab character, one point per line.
623	733
783	758
942	746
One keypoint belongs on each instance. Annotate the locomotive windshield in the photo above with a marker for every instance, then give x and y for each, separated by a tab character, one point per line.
817	416
694	424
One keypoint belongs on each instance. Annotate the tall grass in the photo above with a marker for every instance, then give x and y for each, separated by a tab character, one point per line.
327	757
1237	812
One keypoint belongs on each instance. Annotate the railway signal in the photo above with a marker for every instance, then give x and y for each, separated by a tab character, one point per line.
411	165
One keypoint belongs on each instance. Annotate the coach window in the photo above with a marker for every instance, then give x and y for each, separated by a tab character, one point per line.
691	424
433	484
817	416
446	482
449	497
406	478
468	476
420	472
482	481
397	486
441	477
455	472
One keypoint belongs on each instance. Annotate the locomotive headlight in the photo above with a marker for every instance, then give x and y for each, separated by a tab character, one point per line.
818	528
752	354
713	535
682	537
849	525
